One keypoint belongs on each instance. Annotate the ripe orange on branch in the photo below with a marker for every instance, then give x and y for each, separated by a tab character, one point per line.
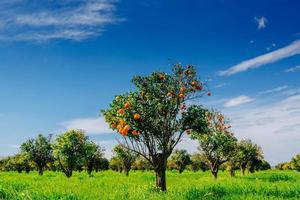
181	95
121	111
135	132
137	116
127	105
182	90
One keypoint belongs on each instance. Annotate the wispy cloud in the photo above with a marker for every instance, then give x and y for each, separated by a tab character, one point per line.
278	89
293	69
285	52
53	19
237	101
261	22
275	126
220	85
89	125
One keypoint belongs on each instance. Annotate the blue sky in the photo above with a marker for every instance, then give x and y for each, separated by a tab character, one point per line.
63	61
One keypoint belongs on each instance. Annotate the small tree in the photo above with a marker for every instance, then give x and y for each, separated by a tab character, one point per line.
127	157
101	164
249	154
149	119
181	158
216	143
141	164
115	164
93	154
39	150
295	162
198	163
70	150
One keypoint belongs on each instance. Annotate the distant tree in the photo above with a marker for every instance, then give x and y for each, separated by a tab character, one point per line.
232	163
115	164
198	163
126	156
39	150
249	155
181	158
262	165
149	119
18	162
93	154
141	164
101	164
216	143
295	162
70	150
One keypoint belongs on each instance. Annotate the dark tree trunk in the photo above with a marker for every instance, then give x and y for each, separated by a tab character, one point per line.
215	174
126	172
214	170
161	179
160	172
69	173
41	171
243	169
232	172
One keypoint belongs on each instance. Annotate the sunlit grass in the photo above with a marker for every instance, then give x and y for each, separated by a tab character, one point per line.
139	185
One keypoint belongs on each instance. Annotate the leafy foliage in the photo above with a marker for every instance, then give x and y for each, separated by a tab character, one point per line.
249	155
70	150
150	118
181	159
127	157
38	150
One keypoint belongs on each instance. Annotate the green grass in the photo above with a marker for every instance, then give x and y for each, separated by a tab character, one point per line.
139	185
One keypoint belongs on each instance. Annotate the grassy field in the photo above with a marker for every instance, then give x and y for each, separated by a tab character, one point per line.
139	185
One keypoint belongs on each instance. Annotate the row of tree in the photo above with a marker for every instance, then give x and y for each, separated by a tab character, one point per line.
152	120
293	164
68	152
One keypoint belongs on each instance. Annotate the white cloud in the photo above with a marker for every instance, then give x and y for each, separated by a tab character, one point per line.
238	101
261	22
220	85
274	126
278	89
48	20
285	52
293	69
89	125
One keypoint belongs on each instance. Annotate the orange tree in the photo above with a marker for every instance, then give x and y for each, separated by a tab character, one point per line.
217	143
150	118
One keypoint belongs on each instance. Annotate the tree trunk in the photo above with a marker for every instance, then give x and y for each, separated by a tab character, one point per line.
40	171
214	170
243	170
215	174
160	172
232	173
161	179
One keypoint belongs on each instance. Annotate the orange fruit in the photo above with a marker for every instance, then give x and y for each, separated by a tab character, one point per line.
114	126
181	95
127	105
137	116
121	111
182	90
194	83
135	132
169	94
127	128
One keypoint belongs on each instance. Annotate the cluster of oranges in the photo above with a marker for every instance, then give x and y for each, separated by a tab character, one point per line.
122	126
